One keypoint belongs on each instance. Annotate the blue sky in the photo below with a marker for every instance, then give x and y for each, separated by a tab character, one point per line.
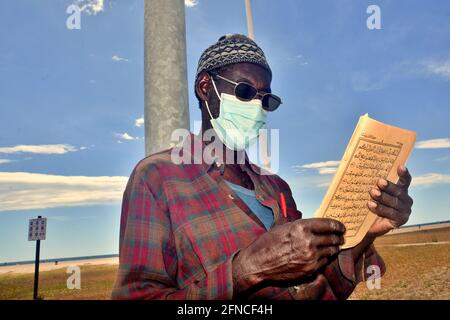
71	100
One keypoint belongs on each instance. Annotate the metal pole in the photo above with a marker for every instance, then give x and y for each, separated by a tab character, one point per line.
265	161
248	10
166	95
36	268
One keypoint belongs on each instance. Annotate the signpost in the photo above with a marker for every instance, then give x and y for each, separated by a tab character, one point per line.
37	229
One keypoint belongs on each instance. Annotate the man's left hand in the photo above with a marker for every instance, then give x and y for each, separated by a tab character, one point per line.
391	203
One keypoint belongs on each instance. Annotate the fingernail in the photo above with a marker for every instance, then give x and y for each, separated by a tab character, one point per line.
372	205
376	192
382	183
403	168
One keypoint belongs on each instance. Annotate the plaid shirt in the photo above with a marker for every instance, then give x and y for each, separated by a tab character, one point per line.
181	226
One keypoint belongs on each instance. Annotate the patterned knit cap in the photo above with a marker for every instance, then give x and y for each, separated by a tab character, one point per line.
230	49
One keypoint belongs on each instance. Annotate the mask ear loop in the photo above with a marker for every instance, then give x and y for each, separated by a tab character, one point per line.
215	89
217	93
207	108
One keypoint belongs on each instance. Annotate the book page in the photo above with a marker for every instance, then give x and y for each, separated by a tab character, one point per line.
375	151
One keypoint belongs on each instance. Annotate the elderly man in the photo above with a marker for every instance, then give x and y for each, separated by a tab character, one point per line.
211	228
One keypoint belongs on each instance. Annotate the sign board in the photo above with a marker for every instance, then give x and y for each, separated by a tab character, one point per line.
37	229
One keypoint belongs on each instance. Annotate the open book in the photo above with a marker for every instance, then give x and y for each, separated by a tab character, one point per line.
375	151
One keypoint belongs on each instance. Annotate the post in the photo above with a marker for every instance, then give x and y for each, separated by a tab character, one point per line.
248	10
166	95
265	161
36	268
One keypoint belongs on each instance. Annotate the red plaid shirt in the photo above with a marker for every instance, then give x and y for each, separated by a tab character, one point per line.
181	226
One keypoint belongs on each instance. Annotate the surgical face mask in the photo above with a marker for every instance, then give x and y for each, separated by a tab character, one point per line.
239	121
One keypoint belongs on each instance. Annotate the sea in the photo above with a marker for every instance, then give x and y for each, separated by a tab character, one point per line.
4	264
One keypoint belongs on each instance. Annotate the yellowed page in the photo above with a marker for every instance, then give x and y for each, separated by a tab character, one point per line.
375	151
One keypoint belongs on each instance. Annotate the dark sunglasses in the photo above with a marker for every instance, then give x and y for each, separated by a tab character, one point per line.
244	91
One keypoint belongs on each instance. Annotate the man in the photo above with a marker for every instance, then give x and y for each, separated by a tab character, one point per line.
211	228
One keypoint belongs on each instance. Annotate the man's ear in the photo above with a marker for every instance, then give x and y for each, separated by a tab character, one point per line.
203	85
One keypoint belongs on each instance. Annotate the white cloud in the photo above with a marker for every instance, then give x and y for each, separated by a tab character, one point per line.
445	158
4	161
119	59
325	167
190	3
317	165
126	136
91	7
24	191
301	59
439	67
327	170
430	179
434	144
39	149
139	122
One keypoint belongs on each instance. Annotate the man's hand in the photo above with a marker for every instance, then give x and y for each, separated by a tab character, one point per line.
391	203
287	252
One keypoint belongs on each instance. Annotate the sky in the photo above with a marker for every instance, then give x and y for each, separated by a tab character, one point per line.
71	103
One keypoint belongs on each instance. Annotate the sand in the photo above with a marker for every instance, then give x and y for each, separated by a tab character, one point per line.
47	266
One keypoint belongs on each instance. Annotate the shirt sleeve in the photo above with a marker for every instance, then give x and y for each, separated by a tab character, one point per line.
148	259
343	274
340	277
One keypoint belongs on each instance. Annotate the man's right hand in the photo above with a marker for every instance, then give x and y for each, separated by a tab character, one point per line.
287	252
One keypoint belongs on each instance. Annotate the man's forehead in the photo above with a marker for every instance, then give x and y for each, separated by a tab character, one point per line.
250	72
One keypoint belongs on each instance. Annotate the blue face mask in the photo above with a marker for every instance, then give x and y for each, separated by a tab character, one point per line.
239	121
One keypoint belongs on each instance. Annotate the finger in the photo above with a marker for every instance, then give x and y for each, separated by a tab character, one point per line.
405	177
387	200
389	187
394	190
328	251
325	225
329	240
387	212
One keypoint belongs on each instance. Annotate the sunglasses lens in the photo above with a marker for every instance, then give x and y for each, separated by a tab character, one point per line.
245	91
271	102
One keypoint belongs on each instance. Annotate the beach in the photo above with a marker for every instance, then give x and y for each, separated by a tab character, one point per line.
48	266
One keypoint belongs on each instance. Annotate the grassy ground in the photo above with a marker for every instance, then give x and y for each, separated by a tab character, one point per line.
96	283
413	272
424	236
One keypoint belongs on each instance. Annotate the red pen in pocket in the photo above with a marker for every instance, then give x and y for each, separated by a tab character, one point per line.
283	204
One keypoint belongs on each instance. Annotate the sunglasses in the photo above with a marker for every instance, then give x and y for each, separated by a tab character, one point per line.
244	91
